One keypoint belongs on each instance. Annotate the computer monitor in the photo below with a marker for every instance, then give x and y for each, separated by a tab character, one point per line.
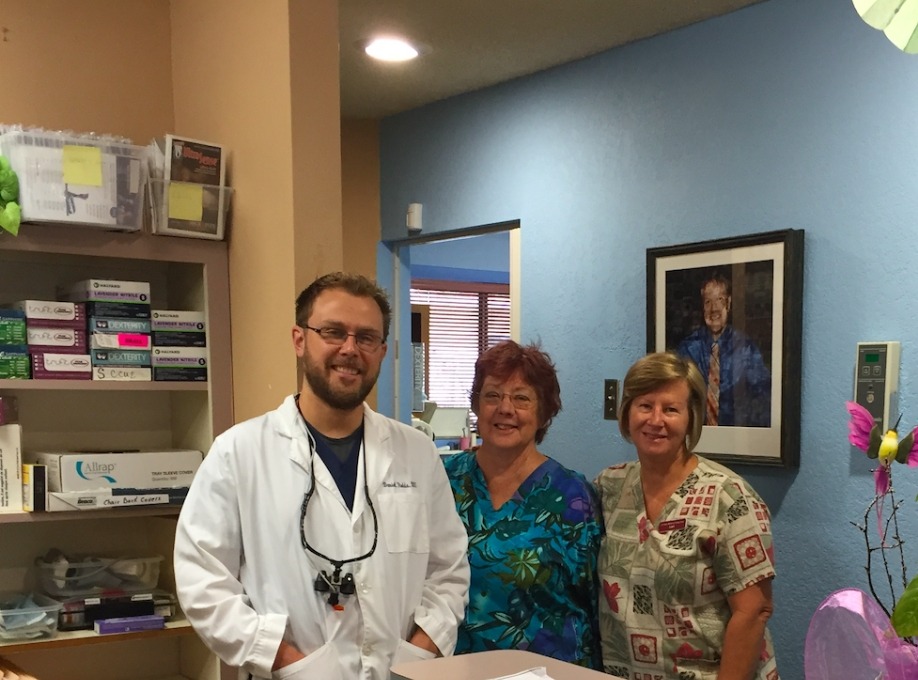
450	422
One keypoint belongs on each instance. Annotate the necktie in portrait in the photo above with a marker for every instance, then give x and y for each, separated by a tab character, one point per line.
713	386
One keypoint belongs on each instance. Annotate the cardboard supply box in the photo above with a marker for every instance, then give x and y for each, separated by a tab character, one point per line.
95	499
56	340
174	328
10	468
122	373
12	327
34	487
14	365
53	313
107	290
102	324
76	471
180	363
110	298
56	366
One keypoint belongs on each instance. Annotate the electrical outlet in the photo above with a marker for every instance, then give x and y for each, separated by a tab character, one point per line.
610	400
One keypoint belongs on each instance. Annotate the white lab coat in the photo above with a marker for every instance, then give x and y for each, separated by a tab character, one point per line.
245	582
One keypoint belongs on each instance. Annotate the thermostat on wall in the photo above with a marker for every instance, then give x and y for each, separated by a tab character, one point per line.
876	380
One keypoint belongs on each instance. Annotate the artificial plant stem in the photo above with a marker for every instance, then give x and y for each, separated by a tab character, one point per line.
870	550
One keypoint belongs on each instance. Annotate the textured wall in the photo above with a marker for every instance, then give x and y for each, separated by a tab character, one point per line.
783	115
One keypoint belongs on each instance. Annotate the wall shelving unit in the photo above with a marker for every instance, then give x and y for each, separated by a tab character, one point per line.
57	415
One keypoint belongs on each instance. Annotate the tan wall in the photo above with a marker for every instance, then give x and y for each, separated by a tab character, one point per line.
265	83
88	66
226	94
360	190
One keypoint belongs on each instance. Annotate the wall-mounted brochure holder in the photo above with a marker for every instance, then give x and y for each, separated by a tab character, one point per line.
189	209
84	180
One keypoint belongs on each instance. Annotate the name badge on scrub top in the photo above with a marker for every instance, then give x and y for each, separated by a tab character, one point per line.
671	525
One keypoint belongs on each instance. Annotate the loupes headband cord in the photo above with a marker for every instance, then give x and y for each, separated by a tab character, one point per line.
335	583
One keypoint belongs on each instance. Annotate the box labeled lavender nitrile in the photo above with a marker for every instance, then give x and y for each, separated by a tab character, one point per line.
110	297
176	328
180	363
107	290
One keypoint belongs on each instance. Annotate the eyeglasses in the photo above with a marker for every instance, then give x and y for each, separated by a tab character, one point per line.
521	402
368	342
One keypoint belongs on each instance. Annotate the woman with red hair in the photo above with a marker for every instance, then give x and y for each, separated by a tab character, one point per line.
533	525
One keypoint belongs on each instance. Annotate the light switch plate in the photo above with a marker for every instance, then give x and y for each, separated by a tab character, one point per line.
610	400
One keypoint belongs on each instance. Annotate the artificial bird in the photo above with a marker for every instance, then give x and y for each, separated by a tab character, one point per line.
864	433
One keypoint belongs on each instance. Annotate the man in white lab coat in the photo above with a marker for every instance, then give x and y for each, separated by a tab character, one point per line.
321	540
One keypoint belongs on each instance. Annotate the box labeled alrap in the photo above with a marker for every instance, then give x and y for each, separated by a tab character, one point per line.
78	471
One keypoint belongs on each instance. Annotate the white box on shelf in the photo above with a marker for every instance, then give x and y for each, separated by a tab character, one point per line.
122	373
107	290
11	468
95	499
76	471
135	341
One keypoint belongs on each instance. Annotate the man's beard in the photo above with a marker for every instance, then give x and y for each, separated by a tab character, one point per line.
337	399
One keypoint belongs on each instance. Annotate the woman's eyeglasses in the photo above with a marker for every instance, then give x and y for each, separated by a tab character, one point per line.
521	402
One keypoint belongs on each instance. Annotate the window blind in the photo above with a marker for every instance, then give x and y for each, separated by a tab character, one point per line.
464	319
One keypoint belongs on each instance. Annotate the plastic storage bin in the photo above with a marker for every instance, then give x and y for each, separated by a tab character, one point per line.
84	180
96	575
80	612
189	209
27	616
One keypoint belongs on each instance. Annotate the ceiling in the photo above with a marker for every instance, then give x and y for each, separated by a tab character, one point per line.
476	43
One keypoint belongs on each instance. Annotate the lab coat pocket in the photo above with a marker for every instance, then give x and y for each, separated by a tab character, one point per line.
406	652
403	518
322	663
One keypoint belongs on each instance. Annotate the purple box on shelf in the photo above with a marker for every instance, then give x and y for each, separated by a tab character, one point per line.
129	624
56	366
56	340
45	313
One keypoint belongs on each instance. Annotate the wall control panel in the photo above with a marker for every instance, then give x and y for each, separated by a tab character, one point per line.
876	380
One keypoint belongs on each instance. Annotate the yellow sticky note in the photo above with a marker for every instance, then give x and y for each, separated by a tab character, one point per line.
83	165
186	201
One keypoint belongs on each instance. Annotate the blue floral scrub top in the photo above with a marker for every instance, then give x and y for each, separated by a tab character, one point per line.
533	561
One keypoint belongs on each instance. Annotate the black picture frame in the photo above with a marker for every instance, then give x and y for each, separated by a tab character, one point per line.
758	281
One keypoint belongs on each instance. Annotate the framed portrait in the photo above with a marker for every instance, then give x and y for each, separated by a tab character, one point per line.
734	307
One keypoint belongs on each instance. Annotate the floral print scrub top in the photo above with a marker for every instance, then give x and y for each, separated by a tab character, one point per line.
533	563
664	608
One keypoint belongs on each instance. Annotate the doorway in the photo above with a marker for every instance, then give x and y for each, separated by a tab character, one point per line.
394	267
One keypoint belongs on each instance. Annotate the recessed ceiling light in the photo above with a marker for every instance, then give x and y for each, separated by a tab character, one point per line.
390	49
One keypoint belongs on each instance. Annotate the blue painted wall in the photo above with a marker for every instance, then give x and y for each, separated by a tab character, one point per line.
481	259
787	114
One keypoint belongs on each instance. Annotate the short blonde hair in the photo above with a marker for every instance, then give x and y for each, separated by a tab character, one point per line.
653	371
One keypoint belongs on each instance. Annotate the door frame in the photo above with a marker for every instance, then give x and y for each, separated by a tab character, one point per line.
394	273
